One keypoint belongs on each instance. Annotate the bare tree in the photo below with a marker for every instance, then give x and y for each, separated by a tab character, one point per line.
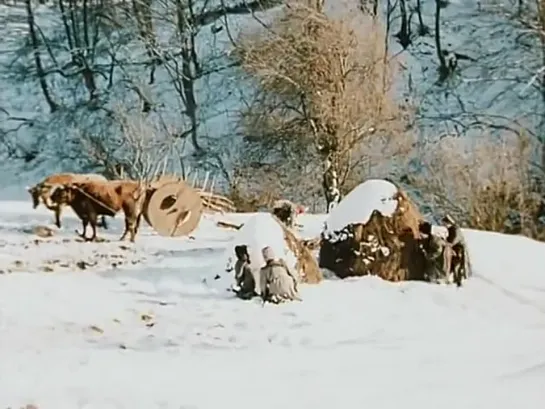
135	151
187	66
142	10
502	194
320	105
87	60
485	86
69	53
508	79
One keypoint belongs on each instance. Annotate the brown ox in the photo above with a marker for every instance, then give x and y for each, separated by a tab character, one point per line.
91	199
42	191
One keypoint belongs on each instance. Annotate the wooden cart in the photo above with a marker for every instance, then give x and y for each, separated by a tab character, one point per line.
174	208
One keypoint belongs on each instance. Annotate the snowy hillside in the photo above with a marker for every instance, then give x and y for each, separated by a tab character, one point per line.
495	86
158	330
38	139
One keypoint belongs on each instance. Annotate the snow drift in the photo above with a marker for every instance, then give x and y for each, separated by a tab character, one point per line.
78	326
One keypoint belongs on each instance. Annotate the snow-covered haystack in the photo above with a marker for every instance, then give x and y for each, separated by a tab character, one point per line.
306	265
373	230
263	229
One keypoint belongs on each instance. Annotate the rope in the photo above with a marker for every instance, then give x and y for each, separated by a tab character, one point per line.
100	202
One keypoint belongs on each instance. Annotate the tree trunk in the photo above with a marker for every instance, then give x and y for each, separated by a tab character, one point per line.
67	31
443	70
75	31
84	53
38	59
330	184
142	13
389	11
189	65
541	15
422	28
404	34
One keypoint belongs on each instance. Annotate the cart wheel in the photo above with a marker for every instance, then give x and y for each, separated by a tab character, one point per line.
174	209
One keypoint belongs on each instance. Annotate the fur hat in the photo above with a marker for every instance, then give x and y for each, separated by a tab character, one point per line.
241	252
268	253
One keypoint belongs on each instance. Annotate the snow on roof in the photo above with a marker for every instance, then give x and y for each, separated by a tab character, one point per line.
358	205
259	231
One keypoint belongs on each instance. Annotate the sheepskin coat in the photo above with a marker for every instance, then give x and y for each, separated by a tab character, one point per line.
438	254
278	283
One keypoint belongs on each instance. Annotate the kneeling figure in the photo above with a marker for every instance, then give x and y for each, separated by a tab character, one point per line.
278	283
244	276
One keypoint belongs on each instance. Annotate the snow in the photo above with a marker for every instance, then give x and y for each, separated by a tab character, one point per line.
259	231
158	331
151	325
81	338
359	204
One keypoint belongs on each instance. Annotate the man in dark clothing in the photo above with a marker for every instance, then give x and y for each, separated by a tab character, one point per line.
287	211
244	277
460	266
437	253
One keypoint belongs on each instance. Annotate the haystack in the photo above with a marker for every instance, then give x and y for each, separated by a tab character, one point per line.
262	230
306	266
373	231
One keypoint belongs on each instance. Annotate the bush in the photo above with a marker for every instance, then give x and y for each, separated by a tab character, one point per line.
486	183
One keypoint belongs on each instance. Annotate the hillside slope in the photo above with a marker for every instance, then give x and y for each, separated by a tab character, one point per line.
159	331
494	85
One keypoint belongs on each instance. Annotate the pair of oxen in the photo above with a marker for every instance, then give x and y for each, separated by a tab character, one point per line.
92	196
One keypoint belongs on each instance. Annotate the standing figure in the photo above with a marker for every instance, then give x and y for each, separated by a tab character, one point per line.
278	283
244	277
460	266
437	253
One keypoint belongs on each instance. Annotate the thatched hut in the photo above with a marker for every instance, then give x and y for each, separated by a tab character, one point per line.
264	229
373	231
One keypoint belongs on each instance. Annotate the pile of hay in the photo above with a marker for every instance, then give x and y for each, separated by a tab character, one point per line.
263	229
373	231
306	265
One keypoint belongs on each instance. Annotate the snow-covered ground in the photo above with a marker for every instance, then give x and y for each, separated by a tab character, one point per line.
159	330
